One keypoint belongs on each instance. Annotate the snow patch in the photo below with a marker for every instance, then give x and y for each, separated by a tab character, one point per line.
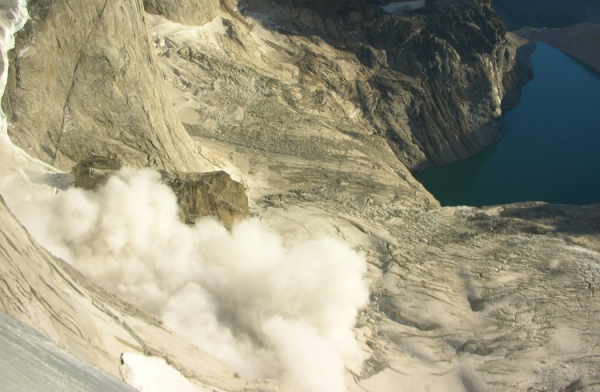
153	374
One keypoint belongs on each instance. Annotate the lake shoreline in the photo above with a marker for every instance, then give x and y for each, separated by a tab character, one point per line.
549	151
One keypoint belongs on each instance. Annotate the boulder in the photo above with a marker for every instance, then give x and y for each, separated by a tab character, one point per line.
198	194
94	171
208	194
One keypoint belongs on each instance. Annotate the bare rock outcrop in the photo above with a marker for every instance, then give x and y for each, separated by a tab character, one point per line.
432	82
198	194
94	171
438	74
208	194
84	81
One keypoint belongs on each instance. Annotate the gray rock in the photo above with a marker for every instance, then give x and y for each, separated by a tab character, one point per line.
94	171
84	81
431	82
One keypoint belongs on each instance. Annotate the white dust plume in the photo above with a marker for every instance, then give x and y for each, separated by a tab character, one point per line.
266	309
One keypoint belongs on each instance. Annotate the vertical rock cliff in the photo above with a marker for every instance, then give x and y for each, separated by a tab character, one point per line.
84	81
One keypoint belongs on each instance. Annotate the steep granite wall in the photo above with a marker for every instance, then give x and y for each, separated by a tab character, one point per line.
84	81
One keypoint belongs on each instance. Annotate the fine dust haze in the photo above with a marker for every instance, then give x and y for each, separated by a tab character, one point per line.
266	309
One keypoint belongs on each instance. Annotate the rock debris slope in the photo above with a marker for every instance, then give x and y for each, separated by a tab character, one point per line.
431	83
321	109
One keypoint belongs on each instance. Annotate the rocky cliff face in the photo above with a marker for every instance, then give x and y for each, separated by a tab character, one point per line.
84	82
198	194
433	93
462	68
430	82
208	194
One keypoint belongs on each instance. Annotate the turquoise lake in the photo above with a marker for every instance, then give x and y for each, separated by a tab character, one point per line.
551	151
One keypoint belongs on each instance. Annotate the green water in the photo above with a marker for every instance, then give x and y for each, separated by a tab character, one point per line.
551	151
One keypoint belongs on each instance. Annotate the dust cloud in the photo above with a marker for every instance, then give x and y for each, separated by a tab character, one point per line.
264	308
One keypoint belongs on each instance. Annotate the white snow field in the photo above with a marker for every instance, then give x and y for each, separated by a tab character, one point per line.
153	374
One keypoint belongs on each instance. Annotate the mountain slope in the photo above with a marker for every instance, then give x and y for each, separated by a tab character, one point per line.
433	94
58	301
499	298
